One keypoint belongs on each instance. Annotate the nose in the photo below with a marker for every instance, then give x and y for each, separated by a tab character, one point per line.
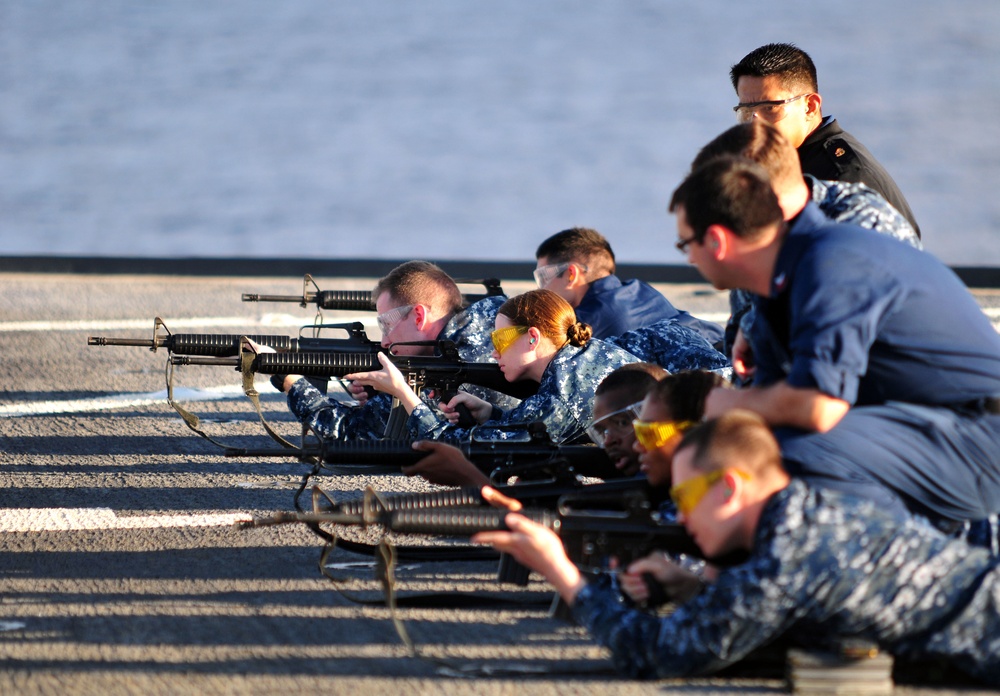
637	447
496	355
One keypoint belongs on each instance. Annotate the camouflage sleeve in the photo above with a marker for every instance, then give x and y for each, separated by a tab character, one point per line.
715	629
331	419
549	408
863	206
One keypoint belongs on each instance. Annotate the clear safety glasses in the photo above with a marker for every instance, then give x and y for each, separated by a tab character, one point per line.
546	274
617	422
387	321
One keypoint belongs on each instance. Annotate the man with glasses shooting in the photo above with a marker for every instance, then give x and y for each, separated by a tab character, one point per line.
417	302
777	83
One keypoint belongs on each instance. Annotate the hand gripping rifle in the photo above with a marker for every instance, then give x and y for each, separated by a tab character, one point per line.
532	455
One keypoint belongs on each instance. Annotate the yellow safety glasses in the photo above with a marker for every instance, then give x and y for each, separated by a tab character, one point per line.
654	434
502	338
687	495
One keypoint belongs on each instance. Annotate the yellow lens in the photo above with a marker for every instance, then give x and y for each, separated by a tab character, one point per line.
654	434
502	338
687	495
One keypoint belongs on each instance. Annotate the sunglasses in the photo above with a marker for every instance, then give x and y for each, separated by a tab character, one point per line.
502	338
687	495
654	434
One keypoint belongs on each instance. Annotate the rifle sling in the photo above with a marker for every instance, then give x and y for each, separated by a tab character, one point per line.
246	368
189	418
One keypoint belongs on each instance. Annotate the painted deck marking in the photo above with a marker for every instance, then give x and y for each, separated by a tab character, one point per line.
75	519
113	401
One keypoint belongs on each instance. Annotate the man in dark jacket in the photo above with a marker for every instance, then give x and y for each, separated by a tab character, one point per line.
578	265
777	83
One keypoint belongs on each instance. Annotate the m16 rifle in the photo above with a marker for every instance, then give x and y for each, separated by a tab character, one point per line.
595	523
229	345
443	372
360	300
528	453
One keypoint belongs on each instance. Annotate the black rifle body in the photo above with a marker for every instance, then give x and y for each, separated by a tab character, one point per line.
538	458
229	345
595	523
361	300
442	373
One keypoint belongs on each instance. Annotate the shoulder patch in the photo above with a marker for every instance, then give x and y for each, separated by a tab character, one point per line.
840	150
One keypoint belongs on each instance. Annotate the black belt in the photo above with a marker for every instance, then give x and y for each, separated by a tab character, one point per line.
987	404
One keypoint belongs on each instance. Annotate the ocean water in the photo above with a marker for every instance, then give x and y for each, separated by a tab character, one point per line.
454	129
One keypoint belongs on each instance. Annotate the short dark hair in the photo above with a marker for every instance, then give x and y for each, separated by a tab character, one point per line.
634	379
789	62
731	191
684	393
421	282
580	245
736	436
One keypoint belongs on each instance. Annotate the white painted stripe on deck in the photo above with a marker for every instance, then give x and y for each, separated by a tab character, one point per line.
282	320
113	401
74	519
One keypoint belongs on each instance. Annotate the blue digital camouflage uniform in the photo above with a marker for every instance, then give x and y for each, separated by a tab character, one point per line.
330	419
824	565
841	202
564	401
674	347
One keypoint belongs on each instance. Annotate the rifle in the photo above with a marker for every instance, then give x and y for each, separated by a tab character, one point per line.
536	458
594	525
443	373
359	300
228	345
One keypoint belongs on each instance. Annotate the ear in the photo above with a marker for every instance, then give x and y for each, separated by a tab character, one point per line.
534	335
420	316
814	106
733	485
574	276
717	241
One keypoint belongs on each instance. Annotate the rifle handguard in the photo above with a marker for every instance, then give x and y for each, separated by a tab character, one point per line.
462	521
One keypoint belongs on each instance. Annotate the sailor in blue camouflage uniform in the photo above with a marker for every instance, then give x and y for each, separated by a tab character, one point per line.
417	301
537	338
823	566
840	201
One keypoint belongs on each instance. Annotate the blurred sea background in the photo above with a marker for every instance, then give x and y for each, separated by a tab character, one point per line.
454	129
